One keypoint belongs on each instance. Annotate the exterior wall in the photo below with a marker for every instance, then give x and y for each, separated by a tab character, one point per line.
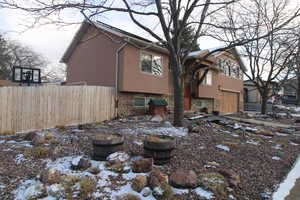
126	103
93	60
253	94
200	103
134	80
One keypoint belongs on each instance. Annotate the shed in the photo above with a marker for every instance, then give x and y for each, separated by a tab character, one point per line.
158	106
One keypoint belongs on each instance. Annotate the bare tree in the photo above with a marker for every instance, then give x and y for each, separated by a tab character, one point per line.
172	16
268	57
54	73
15	54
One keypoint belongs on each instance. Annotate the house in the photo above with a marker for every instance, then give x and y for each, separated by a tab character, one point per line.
290	92
138	69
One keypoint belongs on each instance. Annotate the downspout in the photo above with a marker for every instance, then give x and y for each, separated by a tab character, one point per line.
117	76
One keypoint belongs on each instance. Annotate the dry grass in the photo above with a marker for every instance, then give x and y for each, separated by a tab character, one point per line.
5	133
230	144
87	186
128	196
38	152
68	182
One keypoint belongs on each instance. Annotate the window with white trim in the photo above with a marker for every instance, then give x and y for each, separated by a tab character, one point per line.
151	63
208	78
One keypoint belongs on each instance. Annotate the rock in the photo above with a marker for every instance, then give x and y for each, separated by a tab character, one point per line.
146	192
157	118
50	176
38	140
118	157
166	124
57	191
29	136
214	182
142	165
233	178
80	163
264	132
184	179
139	183
156	177
35	191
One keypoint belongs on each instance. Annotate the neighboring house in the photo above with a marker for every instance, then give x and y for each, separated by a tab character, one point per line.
290	92
139	70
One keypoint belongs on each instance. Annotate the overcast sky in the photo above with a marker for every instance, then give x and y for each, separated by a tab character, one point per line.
51	41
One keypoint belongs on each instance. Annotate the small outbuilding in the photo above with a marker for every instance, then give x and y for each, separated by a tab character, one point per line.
158	106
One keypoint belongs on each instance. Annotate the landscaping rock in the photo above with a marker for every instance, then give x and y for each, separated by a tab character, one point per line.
146	192
118	157
233	178
214	182
139	183
142	165
166	124
80	163
35	191
156	177
157	118
264	132
50	176
184	179
29	136
38	140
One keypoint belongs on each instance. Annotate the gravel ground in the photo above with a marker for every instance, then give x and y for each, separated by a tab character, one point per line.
253	157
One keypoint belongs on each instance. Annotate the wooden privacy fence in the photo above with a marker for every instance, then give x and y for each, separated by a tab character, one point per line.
30	108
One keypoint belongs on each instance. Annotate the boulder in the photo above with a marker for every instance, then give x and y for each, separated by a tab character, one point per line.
166	124
35	191
139	183
156	177
80	163
50	176
117	158
233	178
184	179
29	136
264	132
142	165
38	140
146	192
157	118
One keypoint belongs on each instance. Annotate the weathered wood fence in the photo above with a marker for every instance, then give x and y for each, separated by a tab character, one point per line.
30	108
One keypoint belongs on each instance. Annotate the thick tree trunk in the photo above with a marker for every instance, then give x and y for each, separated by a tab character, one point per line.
264	101
298	91
178	94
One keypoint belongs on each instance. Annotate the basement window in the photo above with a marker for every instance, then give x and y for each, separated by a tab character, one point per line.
151	63
139	101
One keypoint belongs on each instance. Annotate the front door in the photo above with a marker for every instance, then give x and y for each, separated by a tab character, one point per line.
187	97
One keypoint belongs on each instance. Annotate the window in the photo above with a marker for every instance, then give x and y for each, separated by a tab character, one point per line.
139	101
208	78
151	64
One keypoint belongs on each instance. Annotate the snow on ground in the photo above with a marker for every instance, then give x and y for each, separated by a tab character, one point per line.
252	142
223	147
20	158
288	183
203	193
275	158
167	131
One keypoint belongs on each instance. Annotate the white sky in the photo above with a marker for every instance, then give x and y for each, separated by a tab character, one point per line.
51	41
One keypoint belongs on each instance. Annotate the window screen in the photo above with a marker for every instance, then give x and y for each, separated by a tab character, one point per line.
151	64
146	62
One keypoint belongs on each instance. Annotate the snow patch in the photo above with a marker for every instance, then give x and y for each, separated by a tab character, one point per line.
20	158
223	147
203	193
167	131
275	158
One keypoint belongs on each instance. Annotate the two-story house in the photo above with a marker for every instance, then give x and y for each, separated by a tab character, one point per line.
139	70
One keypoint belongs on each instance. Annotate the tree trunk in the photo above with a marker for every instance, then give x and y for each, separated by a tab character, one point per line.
178	94
298	91
264	101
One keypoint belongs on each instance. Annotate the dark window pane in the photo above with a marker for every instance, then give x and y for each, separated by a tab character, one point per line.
139	101
146	62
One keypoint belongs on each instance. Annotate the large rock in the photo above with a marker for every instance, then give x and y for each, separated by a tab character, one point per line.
35	191
139	183
156	177
264	132
142	165
50	176
29	136
233	178
184	179
117	158
80	163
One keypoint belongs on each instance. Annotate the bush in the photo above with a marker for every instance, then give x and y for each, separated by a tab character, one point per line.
38	152
87	186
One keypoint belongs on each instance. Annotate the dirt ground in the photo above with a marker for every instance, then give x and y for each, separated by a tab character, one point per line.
262	162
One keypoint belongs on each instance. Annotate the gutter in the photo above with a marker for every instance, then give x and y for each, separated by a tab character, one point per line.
117	76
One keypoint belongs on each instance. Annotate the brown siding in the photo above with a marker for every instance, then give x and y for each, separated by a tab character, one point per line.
134	80
93	60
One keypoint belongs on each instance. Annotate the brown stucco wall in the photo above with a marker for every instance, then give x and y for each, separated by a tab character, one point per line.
93	60
134	80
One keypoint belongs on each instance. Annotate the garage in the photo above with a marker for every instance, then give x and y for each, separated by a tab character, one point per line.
229	102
